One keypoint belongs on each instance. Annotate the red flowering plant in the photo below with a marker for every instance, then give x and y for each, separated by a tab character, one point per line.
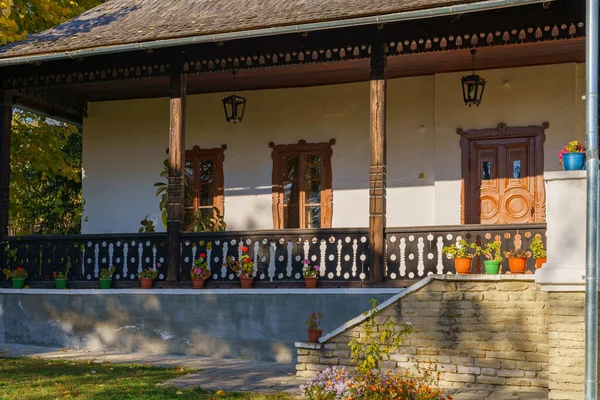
314	320
310	271
18	273
200	269
571	147
242	267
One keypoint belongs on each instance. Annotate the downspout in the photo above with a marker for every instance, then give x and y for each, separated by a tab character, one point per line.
591	257
255	33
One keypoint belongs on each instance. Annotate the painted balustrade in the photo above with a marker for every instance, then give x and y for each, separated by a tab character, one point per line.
279	255
413	253
86	255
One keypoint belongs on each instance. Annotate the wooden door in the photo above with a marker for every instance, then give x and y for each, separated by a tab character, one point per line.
503	175
504	190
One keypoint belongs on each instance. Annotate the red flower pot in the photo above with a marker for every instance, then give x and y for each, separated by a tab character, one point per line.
146	283
539	262
198	283
517	265
246	282
311	282
463	265
314	335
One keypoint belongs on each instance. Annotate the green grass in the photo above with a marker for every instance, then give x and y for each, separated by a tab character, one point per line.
29	379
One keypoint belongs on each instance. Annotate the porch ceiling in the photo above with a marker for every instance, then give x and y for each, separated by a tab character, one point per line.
528	54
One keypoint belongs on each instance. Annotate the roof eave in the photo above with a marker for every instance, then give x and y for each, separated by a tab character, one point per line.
263	32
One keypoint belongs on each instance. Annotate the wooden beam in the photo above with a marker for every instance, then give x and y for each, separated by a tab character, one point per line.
377	172
176	183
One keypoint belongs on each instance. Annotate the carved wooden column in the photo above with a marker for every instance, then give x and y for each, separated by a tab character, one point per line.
377	174
176	188
5	125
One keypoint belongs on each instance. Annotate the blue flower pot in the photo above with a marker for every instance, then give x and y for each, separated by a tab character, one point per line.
573	161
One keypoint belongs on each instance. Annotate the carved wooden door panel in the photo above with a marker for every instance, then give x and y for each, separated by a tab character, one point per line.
504	182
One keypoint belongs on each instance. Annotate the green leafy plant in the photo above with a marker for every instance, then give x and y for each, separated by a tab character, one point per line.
461	249
537	248
203	222
376	341
200	269
60	274
517	253
492	251
148	274
17	273
162	191
147	226
314	320
243	267
107	273
10	254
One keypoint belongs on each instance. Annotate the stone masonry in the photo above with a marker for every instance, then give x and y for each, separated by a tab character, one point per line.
566	345
476	331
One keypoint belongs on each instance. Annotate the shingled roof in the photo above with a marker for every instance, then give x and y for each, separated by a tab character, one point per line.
120	22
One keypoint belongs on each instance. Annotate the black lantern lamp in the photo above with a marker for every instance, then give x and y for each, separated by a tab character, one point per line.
473	86
234	106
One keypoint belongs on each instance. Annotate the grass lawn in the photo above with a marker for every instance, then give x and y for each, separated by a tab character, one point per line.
29	379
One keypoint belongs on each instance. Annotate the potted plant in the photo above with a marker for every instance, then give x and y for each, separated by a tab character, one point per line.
18	277
462	257
492	252
106	276
310	274
200	271
572	156
538	252
313	321
146	277
517	260
243	268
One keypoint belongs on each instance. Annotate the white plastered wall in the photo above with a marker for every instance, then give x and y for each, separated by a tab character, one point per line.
125	142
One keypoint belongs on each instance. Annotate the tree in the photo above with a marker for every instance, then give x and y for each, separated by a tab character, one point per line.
18	18
45	189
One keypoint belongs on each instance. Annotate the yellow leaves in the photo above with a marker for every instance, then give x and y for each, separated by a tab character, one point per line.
220	393
179	392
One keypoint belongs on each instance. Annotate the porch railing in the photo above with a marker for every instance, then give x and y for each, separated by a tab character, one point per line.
342	254
413	253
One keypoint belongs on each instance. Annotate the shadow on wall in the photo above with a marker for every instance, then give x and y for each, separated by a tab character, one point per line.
256	326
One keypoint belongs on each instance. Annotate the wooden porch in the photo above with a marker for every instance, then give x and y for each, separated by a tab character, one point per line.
343	254
534	34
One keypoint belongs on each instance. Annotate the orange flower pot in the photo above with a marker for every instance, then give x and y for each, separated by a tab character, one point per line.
463	265
246	282
311	282
314	335
198	283
146	283
517	265
539	262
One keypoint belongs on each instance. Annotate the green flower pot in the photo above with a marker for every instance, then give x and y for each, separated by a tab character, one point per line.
492	267
105	283
18	283
61	283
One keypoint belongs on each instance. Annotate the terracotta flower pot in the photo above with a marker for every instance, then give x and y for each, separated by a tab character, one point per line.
517	265
198	283
311	282
146	283
246	282
539	262
314	335
463	265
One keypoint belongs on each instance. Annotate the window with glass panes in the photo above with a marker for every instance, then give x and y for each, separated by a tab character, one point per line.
302	195
203	183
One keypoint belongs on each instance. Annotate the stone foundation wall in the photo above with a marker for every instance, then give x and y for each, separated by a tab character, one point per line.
566	340
473	330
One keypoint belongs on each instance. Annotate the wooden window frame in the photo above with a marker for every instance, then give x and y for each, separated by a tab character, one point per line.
469	137
324	149
218	157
